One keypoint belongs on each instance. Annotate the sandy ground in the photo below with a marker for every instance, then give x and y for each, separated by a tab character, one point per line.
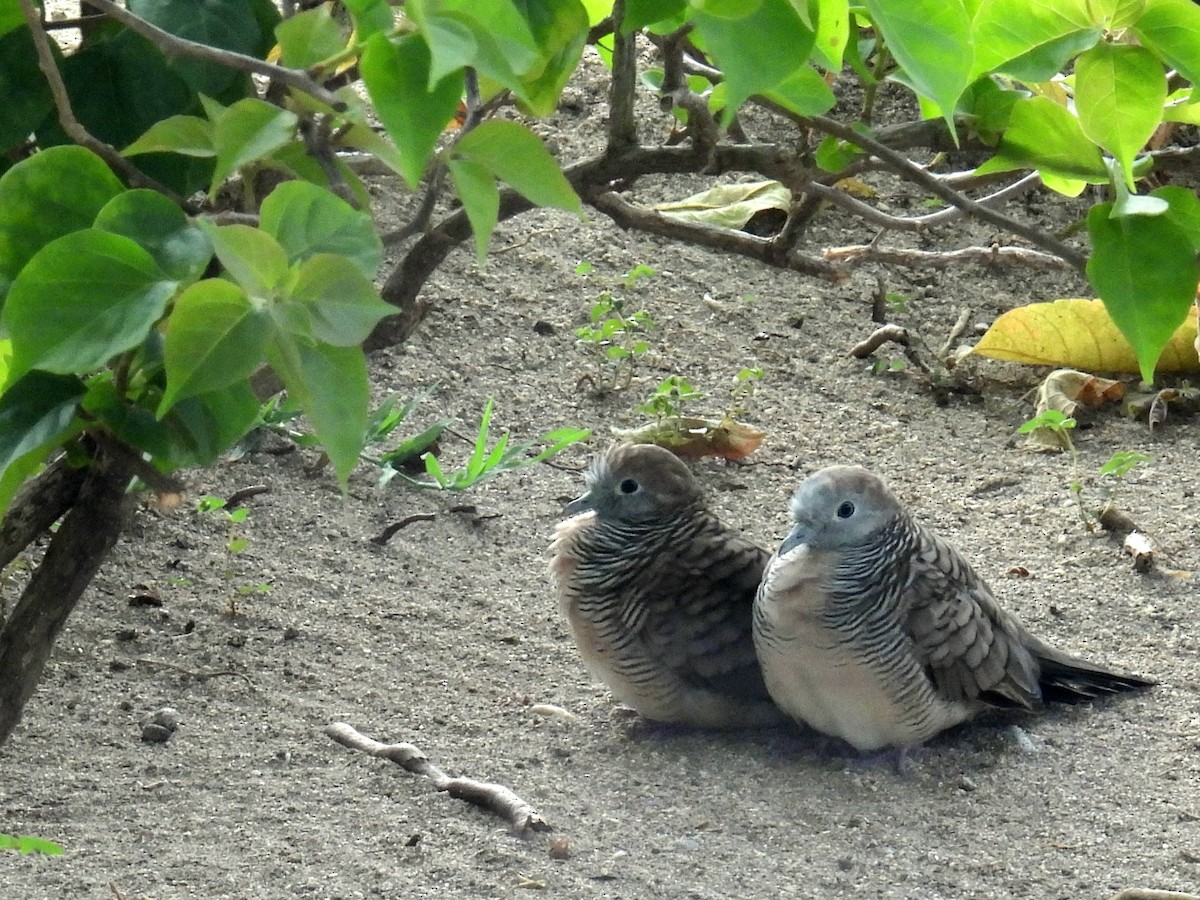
448	634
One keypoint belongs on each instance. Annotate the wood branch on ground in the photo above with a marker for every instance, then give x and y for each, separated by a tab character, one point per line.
87	533
490	796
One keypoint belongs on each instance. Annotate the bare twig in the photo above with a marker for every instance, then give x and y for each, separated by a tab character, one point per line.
857	254
768	251
177	46
964	319
242	494
66	116
198	674
917	223
493	797
910	171
386	535
891	334
1149	894
886	334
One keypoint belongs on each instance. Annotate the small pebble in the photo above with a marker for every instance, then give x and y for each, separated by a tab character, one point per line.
966	784
1024	743
155	734
560	848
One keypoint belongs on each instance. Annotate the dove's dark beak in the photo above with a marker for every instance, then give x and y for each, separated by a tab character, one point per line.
801	533
582	503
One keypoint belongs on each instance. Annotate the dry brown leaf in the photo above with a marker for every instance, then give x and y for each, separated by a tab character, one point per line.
690	437
729	205
1065	390
1080	334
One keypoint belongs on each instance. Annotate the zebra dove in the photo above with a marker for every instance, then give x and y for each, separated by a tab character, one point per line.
871	628
659	593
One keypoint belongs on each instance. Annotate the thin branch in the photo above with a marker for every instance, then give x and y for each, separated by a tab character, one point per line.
855	255
177	46
918	223
626	215
493	797
622	125
914	173
39	503
66	116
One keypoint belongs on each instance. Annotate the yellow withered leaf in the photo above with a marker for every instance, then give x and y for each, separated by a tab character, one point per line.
1079	334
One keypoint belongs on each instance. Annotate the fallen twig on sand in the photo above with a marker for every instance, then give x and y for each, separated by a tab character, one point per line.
495	797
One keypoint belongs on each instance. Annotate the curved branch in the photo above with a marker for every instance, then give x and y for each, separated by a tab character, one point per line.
726	240
855	255
870	214
914	173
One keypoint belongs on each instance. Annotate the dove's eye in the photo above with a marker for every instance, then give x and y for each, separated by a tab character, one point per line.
629	486
846	510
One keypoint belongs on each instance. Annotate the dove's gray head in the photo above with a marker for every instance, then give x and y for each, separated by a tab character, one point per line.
840	507
636	483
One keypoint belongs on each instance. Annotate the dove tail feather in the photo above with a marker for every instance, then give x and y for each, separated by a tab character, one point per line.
1064	679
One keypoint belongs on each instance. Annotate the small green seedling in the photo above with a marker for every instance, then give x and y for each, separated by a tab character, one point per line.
236	542
668	398
485	463
1061	425
616	338
745	382
1114	472
897	302
888	366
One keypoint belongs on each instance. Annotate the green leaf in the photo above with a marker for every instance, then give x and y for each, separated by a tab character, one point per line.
931	40
1144	269
834	155
342	301
83	299
252	257
307	220
503	34
119	86
804	92
1004	31
833	32
215	337
1119	94
36	411
560	28
1184	210
331	385
396	75
189	135
452	46
476	188
225	24
640	13
751	64
50	194
309	37
1171	28
370	17
202	427
249	130
514	154
181	249
1043	135
26	94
